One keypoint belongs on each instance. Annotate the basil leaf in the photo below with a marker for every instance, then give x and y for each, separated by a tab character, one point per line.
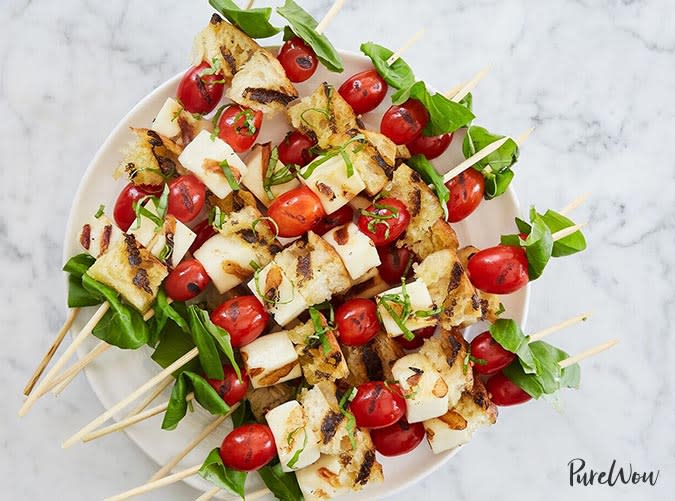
254	22
221	336
304	26
78	296
221	476
122	325
508	334
571	244
426	169
173	344
499	174
78	265
208	353
163	312
467	102
283	485
538	245
204	393
529	383
242	414
398	74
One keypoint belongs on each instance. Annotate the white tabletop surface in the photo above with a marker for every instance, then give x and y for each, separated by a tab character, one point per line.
596	78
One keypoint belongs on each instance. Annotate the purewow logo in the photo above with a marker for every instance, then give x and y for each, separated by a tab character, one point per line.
579	475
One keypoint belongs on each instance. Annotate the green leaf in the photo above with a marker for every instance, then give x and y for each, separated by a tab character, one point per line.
508	334
173	344
221	336
204	393
78	265
467	102
242	414
399	75
163	312
538	245
426	169
283	485
221	476
304	26
529	383
78	296
208	352
254	22
571	244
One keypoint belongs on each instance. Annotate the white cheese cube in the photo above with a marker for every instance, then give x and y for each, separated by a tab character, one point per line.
98	235
357	251
425	391
332	185
292	436
204	156
321	480
227	260
271	359
257	164
420	300
166	121
277	293
442	437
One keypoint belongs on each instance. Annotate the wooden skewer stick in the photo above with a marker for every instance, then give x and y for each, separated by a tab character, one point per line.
332	12
588	353
126	422
151	486
209	494
150	398
461	93
575	203
408	43
72	315
554	328
249	4
565	232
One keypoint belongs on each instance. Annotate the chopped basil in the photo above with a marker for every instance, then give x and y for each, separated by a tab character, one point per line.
293	461
227	171
214	470
254	22
216	217
321	325
177	113
204	394
257	221
375	218
100	211
249	121
428	172
397	74
401	300
343	405
215	121
274	176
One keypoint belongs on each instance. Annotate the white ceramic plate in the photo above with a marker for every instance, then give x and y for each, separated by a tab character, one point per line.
118	372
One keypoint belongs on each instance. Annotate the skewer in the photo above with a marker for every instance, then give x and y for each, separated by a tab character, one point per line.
461	93
554	328
150	398
408	43
575	203
249	4
332	12
72	315
588	353
565	232
151	486
209	494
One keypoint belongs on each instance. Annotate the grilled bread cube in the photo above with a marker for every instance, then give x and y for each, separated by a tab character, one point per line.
373	360
357	251
265	399
319	361
271	359
98	235
207	157
245	224
372	285
420	301
360	464
277	293
385	146
425	391
257	165
131	270
149	158
490	306
295	440
325	418
331	182
262	84
174	122
234	202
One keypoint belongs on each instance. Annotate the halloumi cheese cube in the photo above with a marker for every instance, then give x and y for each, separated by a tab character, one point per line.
296	442
420	300
227	260
257	165
447	432
278	294
271	359
357	251
98	235
321	480
425	391
174	122
205	157
330	182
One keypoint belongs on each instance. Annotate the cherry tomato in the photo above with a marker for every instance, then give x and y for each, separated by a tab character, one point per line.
343	215
430	146
248	447
388	218
295	149
298	59
204	231
199	92
404	122
123	213
357	321
364	91
230	388
296	211
399	438
395	263
244	317
418	340
466	193
501	269
186	197
484	347
377	405
504	392
239	126
186	281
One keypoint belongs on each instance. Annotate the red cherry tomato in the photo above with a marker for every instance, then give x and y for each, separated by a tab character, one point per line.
295	149
384	221
230	388
343	215
357	321
399	438
377	405
199	92
123	213
430	146
244	317
186	281
486	348
204	231
296	211
466	193
504	392
404	122
418	340
395	263
248	447
364	91
239	126
186	198
298	59
501	269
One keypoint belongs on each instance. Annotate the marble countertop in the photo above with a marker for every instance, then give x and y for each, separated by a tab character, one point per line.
596	78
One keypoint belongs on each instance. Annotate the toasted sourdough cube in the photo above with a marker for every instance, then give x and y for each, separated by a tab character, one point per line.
257	164
325	418
385	146
319	362
425	391
174	122
277	293
207	157
98	235
420	301
295	440
131	270
271	359
331	182
234	202
373	360
372	285
473	411
490	306
262	400
357	251
148	158
262	84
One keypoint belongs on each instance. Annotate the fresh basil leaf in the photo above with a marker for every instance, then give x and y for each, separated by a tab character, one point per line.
163	312
397	74
283	485
78	296
467	102
508	334
78	265
538	245
221	336
204	393
571	244
242	414
499	174
254	22
221	476
173	344
304	26
428	172
208	352
529	383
